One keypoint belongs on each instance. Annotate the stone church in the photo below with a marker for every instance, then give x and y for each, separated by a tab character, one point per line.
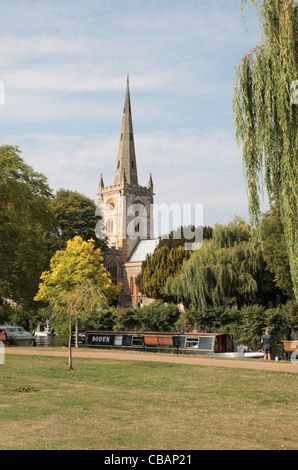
126	208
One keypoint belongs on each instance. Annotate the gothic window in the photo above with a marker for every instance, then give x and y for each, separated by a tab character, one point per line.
131	285
132	164
110	226
112	267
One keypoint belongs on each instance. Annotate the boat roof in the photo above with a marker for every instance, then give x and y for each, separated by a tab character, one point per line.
11	326
168	333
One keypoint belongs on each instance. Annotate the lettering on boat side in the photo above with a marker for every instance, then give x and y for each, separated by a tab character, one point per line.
101	339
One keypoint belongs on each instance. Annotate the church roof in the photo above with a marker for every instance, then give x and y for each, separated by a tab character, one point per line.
142	249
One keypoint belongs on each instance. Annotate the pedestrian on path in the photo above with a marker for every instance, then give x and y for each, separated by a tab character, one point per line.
267	340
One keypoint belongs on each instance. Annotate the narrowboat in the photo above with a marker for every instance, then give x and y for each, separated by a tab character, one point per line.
175	343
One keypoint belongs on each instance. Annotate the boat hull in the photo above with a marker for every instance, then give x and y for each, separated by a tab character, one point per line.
254	355
21	341
230	355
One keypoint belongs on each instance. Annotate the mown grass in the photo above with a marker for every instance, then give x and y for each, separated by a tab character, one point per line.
127	405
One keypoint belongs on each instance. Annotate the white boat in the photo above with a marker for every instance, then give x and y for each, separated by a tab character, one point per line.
44	331
242	351
254	354
17	335
230	355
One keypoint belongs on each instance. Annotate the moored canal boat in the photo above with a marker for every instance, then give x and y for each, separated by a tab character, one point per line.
175	343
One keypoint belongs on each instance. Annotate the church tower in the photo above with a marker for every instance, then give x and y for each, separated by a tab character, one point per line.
126	205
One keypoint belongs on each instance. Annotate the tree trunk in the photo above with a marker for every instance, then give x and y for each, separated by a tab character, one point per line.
69	345
77	332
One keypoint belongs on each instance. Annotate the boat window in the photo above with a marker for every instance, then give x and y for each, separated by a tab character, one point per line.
206	343
192	342
137	341
118	340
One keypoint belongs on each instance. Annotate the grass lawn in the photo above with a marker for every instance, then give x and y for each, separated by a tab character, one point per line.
126	405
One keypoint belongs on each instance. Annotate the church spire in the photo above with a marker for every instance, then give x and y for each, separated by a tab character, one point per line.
126	160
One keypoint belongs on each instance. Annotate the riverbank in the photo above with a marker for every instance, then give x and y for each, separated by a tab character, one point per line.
253	364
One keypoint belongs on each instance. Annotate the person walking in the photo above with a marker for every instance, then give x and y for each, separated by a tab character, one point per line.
267	340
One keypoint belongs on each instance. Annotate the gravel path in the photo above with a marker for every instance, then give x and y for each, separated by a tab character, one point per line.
259	364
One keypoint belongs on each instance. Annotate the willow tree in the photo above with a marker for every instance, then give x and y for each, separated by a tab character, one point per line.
221	272
266	118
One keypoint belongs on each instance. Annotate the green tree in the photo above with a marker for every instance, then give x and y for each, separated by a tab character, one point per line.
75	273
177	237
80	302
275	251
158	316
266	118
25	224
222	272
75	216
157	269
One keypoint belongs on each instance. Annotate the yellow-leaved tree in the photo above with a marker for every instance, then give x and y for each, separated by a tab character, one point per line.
77	283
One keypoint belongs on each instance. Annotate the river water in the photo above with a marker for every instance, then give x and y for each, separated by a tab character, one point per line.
51	341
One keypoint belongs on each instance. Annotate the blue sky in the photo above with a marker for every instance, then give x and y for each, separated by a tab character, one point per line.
64	66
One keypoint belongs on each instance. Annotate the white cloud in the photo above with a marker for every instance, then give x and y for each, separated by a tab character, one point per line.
64	66
188	166
173	48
